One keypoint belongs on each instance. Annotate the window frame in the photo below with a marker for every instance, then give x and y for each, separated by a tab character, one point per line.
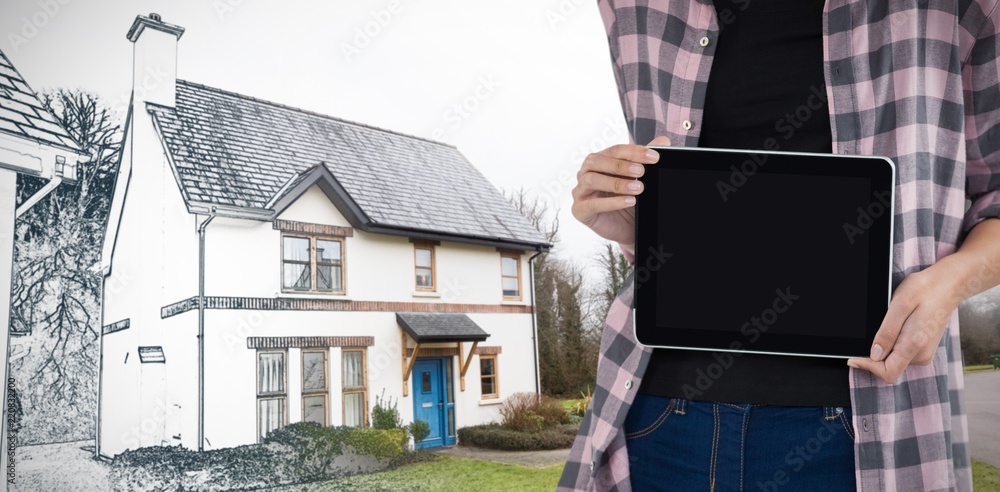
314	264
325	392
495	376
430	247
517	259
354	390
271	396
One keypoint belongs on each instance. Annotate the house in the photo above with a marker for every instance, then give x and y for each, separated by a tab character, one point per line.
32	143
266	265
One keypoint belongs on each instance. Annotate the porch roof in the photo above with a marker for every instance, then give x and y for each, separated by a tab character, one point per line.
441	327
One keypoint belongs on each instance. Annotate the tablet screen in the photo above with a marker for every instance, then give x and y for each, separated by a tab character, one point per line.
782	258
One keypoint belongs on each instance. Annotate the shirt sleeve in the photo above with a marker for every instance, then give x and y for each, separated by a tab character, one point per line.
981	83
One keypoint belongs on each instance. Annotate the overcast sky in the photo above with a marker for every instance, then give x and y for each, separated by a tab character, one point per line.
523	88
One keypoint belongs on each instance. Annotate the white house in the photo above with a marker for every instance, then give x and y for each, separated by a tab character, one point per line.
33	143
266	265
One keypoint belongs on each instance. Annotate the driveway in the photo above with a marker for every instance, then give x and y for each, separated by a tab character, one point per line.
59	467
982	397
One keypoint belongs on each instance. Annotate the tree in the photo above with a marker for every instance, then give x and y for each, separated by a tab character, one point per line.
55	299
979	325
567	347
615	268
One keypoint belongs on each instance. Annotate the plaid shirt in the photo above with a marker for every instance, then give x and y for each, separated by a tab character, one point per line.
918	82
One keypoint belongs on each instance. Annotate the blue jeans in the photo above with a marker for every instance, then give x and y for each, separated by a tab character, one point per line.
676	444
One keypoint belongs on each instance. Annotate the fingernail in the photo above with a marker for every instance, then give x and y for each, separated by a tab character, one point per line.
635	169
634	185
652	155
630	200
851	363
877	352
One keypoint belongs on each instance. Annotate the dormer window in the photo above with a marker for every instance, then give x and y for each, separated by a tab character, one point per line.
312	264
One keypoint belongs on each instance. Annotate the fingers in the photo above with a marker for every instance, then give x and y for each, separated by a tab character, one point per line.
905	301
586	210
591	182
660	142
613	165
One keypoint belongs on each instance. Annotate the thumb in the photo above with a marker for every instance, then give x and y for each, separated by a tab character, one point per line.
660	142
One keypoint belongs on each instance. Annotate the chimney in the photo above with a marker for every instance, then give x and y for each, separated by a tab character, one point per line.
154	59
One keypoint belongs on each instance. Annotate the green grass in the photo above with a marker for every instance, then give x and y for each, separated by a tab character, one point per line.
985	476
446	474
568	404
978	368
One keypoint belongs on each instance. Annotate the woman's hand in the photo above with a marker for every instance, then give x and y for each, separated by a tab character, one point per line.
914	324
604	196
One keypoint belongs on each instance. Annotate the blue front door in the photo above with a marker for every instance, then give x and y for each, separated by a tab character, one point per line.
432	401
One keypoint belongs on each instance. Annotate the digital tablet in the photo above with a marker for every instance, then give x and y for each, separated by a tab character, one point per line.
763	252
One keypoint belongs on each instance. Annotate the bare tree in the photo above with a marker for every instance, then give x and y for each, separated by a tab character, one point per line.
55	309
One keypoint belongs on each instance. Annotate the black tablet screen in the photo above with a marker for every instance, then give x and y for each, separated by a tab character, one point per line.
779	239
788	257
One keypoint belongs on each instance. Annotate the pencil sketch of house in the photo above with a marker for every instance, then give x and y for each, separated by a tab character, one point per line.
32	143
272	265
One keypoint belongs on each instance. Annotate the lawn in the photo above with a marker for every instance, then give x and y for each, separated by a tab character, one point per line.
985	476
445	473
979	368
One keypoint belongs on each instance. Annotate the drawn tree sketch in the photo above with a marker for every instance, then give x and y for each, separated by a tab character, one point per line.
55	297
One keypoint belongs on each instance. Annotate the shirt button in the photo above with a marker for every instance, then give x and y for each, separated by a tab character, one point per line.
591	466
628	384
687	124
864	424
704	41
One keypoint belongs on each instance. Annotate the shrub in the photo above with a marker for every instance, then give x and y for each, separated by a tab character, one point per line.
298	452
385	415
175	468
419	429
581	406
496	436
529	412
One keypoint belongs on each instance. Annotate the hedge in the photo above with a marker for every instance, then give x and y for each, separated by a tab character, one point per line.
495	436
300	452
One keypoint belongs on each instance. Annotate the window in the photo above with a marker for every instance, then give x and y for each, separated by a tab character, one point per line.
423	261
271	392
355	388
488	376
312	264
314	387
510	274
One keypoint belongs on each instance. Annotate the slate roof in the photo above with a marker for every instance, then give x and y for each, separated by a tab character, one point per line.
237	151
441	327
22	113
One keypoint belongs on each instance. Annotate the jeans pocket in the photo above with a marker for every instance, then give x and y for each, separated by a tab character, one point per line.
843	417
647	414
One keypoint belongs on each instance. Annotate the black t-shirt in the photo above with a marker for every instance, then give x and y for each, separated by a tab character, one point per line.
766	82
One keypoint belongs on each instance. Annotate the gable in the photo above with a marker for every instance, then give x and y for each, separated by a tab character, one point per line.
314	207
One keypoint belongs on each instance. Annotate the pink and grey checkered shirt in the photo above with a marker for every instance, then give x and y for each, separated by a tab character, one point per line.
916	81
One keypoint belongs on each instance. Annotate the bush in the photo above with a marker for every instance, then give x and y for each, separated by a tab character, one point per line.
385	416
303	451
175	468
315	446
529	412
419	429
496	436
581	406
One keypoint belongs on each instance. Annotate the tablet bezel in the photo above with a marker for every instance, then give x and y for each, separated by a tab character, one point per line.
767	343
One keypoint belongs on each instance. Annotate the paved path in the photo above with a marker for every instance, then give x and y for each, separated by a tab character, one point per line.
536	459
63	467
982	396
